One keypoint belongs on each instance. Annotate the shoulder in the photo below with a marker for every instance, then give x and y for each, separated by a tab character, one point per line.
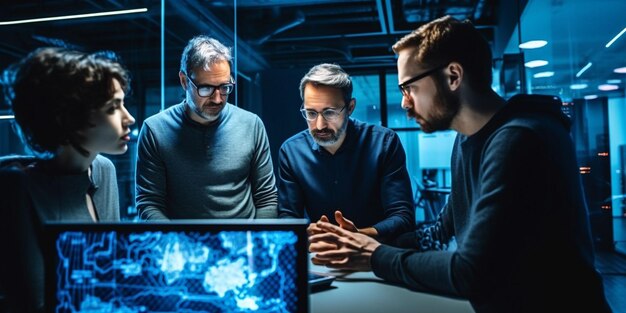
166	115
374	133
300	139
102	162
243	115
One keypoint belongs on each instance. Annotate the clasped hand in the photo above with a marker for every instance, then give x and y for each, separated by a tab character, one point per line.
340	247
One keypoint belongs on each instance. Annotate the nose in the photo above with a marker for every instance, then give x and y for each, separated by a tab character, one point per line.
217	96
320	122
406	102
128	118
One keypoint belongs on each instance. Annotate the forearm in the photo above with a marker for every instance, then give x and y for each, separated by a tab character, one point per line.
396	224
267	212
150	213
421	271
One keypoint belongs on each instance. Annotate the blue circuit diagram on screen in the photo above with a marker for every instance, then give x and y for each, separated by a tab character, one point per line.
229	271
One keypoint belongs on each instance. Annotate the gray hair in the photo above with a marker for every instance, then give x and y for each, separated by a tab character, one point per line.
202	52
331	75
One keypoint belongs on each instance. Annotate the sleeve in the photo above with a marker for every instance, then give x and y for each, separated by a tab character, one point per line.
107	189
150	178
264	193
396	193
290	195
495	223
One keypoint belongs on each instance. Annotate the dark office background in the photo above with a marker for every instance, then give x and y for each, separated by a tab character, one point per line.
276	42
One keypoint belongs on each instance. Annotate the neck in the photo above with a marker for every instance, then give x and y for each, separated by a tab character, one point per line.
69	160
476	111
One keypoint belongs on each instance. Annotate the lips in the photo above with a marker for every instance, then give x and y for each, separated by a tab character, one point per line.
212	107
323	134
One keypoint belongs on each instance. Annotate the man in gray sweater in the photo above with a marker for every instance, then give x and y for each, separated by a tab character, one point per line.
204	157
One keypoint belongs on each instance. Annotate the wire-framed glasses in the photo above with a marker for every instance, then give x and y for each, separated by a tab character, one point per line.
329	115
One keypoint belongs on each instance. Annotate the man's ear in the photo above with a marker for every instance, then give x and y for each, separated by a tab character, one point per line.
455	75
351	106
183	79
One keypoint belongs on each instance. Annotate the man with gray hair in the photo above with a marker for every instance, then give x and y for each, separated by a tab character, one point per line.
204	157
341	167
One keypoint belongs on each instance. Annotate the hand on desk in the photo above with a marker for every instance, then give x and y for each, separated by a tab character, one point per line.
339	248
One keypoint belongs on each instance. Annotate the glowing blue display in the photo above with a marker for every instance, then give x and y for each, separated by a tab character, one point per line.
176	272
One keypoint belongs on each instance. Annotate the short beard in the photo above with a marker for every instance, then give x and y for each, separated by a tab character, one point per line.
206	116
445	109
333	139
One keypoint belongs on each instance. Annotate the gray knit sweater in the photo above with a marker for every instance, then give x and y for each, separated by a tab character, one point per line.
187	170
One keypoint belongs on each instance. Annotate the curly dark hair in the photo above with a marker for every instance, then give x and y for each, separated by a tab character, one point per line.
52	92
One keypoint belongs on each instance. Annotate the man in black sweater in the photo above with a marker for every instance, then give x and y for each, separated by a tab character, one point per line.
516	212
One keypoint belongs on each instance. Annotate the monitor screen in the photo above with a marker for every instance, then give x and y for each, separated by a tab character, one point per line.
180	266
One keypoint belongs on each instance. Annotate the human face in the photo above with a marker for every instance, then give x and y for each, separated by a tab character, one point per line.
110	133
428	100
206	109
319	98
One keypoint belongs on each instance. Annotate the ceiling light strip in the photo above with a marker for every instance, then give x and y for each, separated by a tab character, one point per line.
68	17
616	37
582	70
6	117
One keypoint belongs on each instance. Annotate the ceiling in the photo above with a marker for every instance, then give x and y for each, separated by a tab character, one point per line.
272	34
356	34
577	32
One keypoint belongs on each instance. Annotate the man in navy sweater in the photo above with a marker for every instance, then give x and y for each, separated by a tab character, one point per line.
343	168
516	208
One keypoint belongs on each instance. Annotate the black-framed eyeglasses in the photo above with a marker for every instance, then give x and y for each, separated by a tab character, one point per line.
206	91
404	87
329	115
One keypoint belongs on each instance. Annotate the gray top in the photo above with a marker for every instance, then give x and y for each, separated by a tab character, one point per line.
62	197
189	170
33	193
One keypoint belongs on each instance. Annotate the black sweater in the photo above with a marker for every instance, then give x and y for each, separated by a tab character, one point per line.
519	218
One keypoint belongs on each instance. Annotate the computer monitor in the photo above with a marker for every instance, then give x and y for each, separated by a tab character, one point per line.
178	266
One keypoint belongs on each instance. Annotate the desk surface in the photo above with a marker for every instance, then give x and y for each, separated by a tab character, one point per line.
363	292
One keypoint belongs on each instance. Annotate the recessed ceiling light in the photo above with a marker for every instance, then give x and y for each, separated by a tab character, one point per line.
543	74
620	70
614	81
608	87
533	44
590	97
578	86
536	63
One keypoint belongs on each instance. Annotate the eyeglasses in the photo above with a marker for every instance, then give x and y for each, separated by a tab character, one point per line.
404	87
329	115
206	91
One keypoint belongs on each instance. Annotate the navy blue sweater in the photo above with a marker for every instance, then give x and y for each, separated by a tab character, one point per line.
366	179
519	218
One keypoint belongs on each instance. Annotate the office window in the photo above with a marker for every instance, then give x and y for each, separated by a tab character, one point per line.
366	91
396	115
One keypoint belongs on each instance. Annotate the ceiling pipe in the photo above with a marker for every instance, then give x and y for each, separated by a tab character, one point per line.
296	20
